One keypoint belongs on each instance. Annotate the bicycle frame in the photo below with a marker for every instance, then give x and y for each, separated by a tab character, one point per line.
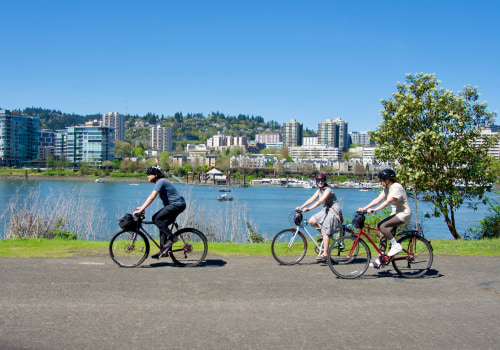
386	258
303	225
140	228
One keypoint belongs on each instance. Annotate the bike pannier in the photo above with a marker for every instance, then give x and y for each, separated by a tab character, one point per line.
128	223
359	219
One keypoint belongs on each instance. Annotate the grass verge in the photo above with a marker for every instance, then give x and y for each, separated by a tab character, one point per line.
61	248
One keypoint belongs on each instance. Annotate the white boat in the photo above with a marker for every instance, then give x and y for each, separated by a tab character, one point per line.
99	180
224	198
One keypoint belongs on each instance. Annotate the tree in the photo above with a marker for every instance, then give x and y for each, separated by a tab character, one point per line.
435	138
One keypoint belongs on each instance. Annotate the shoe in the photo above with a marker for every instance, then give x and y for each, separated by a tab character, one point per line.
321	258
158	256
395	248
376	264
168	245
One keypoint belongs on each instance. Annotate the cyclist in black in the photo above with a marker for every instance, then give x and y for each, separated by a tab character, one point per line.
173	202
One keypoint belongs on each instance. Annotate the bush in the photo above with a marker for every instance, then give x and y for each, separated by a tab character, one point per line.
489	227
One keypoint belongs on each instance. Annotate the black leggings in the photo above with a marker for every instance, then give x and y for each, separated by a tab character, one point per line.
164	218
387	228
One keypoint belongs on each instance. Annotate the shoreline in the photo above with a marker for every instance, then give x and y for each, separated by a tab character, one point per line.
496	187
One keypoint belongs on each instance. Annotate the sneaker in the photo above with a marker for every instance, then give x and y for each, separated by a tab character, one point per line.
158	256
376	264
321	258
168	244
395	248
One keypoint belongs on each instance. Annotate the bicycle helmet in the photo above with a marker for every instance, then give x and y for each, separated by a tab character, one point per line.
154	170
387	174
297	218
320	176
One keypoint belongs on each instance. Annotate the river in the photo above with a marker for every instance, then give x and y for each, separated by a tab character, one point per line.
266	208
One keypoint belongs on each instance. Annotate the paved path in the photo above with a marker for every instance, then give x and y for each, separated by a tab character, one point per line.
245	303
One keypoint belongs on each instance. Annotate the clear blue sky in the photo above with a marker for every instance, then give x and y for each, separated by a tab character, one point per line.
282	60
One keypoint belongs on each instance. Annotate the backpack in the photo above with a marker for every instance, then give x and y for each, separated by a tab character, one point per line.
128	222
359	219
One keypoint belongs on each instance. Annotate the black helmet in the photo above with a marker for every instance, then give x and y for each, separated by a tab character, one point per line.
154	170
387	174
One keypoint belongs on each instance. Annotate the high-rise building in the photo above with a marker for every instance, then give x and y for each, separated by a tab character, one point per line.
361	137
333	133
161	138
117	121
292	133
90	144
18	138
271	138
46	144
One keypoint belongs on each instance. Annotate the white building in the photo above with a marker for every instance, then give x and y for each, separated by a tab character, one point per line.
315	152
117	121
161	139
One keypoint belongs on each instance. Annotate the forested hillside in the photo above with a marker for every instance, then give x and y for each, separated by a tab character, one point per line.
191	128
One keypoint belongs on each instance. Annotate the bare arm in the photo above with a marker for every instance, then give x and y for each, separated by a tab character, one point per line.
377	201
309	201
148	201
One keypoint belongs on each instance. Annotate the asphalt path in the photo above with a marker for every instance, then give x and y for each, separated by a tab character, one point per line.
235	302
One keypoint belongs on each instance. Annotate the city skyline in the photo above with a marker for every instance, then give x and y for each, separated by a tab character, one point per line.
280	60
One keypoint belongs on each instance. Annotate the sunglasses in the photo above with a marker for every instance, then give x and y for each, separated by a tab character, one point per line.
320	180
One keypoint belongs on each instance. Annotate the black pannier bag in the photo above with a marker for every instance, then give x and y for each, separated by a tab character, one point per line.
359	219
128	223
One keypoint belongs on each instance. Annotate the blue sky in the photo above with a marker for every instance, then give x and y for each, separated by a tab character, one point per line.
282	60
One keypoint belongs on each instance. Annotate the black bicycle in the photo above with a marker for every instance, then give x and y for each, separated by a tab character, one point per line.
130	247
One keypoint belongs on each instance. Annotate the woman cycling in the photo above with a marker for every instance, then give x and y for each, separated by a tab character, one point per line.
173	205
395	195
329	219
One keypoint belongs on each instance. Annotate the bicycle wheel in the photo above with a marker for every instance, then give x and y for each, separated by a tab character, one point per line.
416	257
289	246
129	249
191	248
348	260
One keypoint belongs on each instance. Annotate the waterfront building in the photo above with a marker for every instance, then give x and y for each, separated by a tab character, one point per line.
161	138
272	138
492	130
90	144
315	152
360	138
333	133
46	144
292	133
19	137
117	121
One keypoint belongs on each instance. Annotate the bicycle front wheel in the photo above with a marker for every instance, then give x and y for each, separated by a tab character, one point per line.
289	246
128	248
416	257
191	248
348	259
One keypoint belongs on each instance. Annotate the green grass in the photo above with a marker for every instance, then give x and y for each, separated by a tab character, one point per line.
62	248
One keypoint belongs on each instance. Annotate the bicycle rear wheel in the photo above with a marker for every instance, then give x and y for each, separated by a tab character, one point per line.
289	246
416	257
348	260
191	248
129	249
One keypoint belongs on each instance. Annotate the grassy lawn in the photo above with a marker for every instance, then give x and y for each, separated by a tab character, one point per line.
61	248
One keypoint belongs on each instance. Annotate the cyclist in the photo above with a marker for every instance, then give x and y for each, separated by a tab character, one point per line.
329	220
173	205
395	195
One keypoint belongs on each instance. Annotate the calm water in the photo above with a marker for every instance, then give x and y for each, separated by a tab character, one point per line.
268	207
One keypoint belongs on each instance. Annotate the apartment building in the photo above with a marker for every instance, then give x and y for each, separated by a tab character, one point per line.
333	133
117	121
19	137
161	139
90	144
292	133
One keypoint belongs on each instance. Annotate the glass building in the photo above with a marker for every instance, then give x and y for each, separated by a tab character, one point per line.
90	144
18	138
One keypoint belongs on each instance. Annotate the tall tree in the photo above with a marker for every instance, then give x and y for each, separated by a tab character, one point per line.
434	136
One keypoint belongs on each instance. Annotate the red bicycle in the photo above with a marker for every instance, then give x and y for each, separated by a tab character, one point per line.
349	256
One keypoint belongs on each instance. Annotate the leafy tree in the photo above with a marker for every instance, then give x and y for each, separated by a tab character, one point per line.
435	138
164	160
